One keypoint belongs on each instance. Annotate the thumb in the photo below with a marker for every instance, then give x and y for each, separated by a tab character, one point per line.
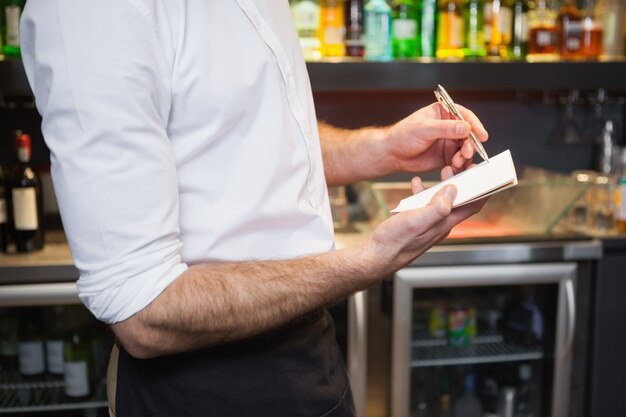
443	200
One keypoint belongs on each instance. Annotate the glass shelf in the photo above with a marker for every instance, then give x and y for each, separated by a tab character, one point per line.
485	348
45	396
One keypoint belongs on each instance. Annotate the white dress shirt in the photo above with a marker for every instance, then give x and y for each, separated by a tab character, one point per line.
181	132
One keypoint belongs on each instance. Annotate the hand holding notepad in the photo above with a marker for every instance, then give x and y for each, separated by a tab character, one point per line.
473	184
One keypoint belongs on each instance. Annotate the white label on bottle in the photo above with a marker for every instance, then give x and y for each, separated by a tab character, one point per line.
25	208
404	29
306	15
524	26
12	14
54	355
30	356
76	379
3	210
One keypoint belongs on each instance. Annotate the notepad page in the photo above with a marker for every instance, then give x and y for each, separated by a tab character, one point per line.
472	184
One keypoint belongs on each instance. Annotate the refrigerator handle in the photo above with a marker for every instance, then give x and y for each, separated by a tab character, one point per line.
357	349
571	317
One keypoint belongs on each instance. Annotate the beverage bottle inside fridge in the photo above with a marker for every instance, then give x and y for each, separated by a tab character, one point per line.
331	32
31	357
77	364
468	405
11	14
620	215
523	400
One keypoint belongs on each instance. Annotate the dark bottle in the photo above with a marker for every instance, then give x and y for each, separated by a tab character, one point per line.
4	218
355	34
518	48
11	13
26	200
54	340
32	363
8	343
77	365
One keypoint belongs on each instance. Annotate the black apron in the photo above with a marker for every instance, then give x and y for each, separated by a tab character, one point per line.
296	370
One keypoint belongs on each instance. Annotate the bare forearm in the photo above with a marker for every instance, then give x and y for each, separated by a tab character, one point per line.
354	155
216	303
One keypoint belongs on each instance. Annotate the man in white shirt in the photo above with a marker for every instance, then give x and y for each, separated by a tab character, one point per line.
191	178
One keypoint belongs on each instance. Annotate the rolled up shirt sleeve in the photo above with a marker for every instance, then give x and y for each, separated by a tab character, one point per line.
101	75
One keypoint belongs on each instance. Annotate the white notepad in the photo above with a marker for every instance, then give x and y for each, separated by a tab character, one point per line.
473	184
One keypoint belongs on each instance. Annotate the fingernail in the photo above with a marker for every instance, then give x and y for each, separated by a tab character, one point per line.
450	193
461	129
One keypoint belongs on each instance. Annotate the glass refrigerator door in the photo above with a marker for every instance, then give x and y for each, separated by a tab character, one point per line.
490	340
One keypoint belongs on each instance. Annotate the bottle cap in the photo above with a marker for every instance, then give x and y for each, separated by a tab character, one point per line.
23	140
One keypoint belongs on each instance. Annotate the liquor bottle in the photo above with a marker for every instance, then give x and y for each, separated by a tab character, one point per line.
449	29
4	218
77	365
497	27
8	343
32	362
54	340
26	200
427	28
518	47
591	33
569	26
355	32
612	14
542	32
11	14
377	30
331	32
468	405
404	29
306	17
474	39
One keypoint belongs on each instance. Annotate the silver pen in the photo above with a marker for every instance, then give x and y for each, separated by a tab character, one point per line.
446	101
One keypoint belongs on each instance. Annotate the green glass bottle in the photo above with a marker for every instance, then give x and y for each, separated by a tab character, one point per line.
474	39
77	365
11	13
427	28
404	29
518	48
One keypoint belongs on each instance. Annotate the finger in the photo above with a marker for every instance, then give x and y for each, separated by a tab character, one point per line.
416	185
467	150
446	172
477	126
448	129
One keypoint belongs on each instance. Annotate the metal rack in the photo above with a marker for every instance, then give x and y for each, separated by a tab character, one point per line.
487	347
45	396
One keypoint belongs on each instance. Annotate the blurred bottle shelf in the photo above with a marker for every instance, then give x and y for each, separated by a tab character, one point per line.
45	396
349	74
487	347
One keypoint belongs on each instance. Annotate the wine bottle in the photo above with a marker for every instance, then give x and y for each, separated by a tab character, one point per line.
27	200
8	343
77	365
54	341
32	363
